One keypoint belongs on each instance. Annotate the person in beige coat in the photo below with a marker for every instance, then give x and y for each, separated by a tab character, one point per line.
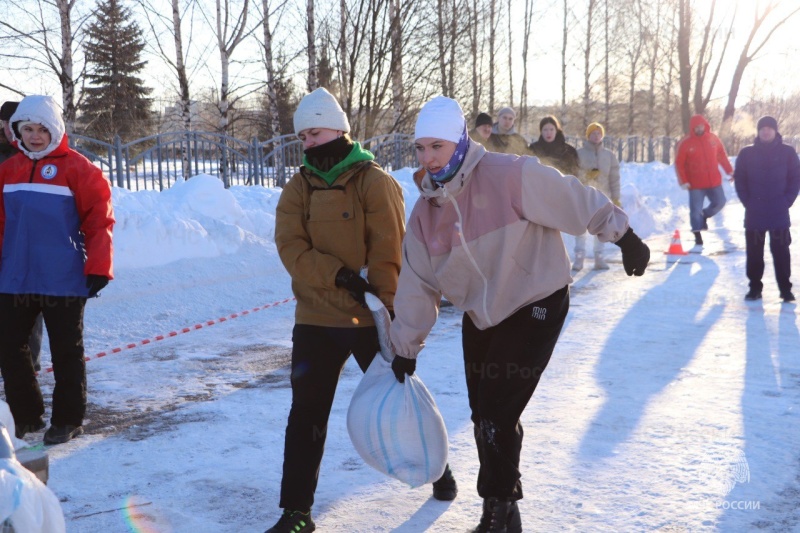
485	233
599	168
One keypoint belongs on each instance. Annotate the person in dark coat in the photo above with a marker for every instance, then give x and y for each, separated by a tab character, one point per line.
552	149
767	180
482	131
7	150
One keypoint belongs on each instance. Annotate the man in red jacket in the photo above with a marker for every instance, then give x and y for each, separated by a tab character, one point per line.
56	221
700	153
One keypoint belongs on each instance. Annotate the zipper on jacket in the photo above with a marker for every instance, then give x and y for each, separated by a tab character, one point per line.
33	169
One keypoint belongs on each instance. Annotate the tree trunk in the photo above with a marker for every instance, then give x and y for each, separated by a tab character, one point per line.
272	92
441	33
526	36
451	75
607	105
684	64
564	60
473	48
184	103
587	69
312	47
492	48
66	74
346	96
510	62
397	64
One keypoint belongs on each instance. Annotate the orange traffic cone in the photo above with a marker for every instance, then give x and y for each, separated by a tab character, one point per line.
675	247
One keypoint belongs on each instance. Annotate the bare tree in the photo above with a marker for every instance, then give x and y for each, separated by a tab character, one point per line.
750	50
440	30
704	60
28	30
312	47
176	59
587	62
397	62
343	74
473	32
564	58
510	61
492	50
526	36
684	62
269	66
229	35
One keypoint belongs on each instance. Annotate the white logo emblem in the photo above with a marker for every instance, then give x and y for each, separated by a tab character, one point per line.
49	171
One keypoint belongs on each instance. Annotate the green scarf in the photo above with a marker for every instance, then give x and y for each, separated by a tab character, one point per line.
356	155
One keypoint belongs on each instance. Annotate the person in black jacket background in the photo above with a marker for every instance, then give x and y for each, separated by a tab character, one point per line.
767	180
8	150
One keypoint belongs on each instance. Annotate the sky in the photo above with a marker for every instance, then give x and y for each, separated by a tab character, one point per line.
779	57
663	392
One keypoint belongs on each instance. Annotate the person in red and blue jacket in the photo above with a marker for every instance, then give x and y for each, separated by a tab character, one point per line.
56	222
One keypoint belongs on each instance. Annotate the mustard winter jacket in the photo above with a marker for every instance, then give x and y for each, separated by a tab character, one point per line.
320	228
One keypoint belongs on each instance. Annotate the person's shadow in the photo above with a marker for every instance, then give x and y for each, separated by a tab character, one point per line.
760	480
647	350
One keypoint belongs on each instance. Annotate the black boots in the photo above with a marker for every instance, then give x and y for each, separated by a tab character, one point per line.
445	488
499	516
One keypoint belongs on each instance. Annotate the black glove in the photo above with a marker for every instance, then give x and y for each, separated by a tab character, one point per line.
635	253
95	284
354	284
402	366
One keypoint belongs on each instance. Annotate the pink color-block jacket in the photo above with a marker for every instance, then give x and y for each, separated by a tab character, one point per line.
489	241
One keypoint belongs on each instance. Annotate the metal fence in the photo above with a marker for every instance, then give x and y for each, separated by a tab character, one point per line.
157	161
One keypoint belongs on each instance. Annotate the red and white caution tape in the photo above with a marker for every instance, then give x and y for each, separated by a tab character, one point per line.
180	331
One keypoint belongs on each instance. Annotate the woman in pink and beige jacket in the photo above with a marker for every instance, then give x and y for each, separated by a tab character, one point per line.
485	233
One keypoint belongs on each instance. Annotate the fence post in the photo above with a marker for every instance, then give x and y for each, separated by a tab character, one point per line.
397	147
255	157
118	157
278	163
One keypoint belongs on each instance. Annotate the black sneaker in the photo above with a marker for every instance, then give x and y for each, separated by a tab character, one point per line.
705	223
293	522
445	488
752	295
495	517
787	296
61	434
698	239
21	429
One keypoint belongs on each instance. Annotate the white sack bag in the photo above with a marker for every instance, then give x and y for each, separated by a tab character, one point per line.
26	504
396	427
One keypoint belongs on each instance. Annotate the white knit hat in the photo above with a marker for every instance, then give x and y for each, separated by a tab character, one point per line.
440	118
319	109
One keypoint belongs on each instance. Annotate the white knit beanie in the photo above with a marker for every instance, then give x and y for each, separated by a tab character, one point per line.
319	109
440	118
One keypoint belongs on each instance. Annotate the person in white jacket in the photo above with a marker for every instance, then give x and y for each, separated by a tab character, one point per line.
485	233
599	168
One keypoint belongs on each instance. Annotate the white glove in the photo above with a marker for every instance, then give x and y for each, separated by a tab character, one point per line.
685	186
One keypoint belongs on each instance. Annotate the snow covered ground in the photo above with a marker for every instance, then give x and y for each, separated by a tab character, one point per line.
669	404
